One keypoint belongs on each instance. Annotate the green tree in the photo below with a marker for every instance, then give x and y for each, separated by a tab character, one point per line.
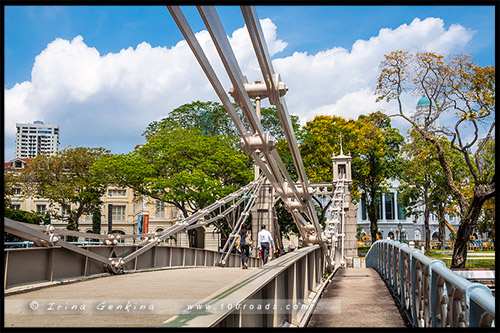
182	167
212	119
24	216
10	181
423	185
65	178
209	117
486	222
376	162
465	93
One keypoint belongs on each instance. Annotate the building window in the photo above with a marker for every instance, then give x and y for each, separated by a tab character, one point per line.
401	210
64	211
41	208
160	208
15	207
389	206
117	193
118	213
418	235
341	171
16	190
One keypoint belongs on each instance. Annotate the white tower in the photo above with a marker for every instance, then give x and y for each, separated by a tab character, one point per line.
341	217
423	111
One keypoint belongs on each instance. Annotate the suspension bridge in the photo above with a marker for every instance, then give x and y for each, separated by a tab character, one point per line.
60	284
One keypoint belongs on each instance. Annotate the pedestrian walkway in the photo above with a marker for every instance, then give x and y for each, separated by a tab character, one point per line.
356	297
137	300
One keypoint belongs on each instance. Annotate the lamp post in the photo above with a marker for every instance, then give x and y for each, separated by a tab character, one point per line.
400	227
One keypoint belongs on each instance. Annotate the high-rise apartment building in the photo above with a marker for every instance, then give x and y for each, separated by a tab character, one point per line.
35	139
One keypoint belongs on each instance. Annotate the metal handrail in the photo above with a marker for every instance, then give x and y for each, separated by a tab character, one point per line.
52	265
430	293
286	288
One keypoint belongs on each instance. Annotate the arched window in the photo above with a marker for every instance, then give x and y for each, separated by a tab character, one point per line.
418	234
90	239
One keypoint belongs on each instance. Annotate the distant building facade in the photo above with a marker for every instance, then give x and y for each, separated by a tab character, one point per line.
36	138
126	210
392	221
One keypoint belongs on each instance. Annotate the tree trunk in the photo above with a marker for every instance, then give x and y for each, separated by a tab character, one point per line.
372	216
72	225
441	219
467	225
426	217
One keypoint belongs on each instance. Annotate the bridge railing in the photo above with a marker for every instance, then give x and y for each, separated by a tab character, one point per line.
28	266
279	294
431	294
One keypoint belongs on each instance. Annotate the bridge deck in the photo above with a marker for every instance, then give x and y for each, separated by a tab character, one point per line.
356	297
137	300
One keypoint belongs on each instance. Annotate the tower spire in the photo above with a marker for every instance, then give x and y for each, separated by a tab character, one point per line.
341	151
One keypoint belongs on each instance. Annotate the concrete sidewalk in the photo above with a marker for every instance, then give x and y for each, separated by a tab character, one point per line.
356	297
130	300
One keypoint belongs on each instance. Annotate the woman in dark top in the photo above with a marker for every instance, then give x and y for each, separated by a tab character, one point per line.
244	243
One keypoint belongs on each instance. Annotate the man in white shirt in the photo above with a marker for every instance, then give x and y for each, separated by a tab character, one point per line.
264	241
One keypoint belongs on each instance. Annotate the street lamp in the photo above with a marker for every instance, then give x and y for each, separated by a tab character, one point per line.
400	227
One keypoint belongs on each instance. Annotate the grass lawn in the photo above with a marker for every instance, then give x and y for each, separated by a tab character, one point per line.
446	258
474	263
470	263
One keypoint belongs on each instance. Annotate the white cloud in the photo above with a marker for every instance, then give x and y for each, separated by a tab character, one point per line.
108	99
341	82
350	106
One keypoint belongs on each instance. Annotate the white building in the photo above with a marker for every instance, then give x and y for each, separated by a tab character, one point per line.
392	221
35	139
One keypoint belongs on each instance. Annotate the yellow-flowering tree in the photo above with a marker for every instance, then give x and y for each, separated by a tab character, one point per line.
371	142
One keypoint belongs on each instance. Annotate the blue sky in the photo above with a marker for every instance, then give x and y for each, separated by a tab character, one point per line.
28	29
300	36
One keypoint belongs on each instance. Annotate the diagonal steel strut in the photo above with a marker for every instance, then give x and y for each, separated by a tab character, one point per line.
273	166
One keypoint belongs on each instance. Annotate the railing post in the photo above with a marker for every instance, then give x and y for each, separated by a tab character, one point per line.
394	265
432	294
433	291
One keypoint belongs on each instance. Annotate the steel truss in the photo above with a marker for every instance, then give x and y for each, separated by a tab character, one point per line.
50	236
260	144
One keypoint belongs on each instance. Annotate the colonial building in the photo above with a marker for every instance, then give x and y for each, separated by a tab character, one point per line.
129	213
392	221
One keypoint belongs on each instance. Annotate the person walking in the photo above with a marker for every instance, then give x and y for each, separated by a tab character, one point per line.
244	243
265	240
